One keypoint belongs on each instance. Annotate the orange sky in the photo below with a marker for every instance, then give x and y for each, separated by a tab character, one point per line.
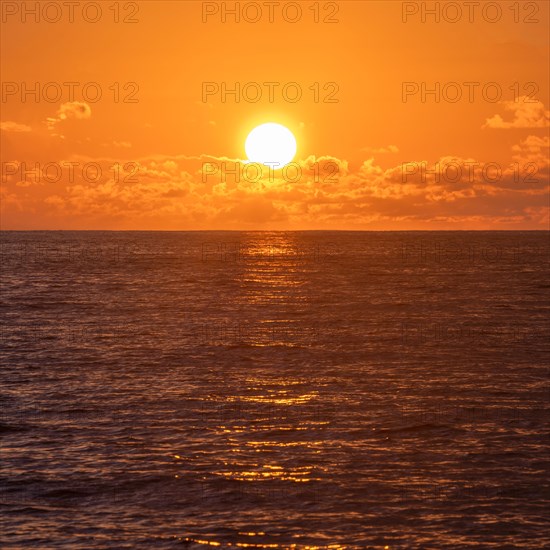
169	131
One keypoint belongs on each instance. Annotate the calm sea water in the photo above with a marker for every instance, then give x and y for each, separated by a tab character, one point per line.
274	390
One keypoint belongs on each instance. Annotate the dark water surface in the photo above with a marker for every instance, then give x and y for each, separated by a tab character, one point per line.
274	390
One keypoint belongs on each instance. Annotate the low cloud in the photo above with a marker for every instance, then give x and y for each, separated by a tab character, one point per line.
178	192
381	150
10	126
71	110
526	114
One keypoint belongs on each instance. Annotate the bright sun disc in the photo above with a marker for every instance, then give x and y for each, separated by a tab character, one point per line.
270	144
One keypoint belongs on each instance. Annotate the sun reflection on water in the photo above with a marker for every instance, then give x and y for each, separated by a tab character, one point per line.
267	545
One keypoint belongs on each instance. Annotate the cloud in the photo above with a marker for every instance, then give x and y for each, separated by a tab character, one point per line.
526	114
381	150
71	110
177	192
533	148
10	126
74	109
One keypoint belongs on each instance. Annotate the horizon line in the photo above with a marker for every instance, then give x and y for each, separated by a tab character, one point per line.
277	230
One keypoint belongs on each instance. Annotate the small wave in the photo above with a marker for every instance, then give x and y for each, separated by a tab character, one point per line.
67	493
10	428
420	428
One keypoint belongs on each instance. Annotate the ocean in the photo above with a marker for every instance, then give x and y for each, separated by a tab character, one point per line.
361	390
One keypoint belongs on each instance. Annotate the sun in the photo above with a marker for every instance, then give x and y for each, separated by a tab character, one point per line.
271	144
